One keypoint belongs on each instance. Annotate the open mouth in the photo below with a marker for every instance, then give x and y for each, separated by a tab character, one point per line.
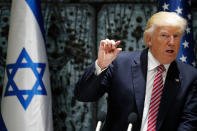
170	51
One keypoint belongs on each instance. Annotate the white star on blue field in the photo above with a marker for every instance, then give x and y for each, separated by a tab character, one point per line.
38	87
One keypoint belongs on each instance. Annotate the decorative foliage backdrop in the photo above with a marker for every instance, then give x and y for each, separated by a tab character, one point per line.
73	32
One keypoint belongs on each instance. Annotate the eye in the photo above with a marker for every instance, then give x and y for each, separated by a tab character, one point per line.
176	36
164	35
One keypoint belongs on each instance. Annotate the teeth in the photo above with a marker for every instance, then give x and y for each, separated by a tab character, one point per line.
170	51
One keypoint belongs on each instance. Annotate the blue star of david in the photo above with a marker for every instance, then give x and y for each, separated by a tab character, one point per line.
11	70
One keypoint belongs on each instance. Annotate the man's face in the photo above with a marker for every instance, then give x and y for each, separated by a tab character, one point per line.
164	43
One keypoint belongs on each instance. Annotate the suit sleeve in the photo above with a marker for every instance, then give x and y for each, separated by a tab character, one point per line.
91	87
188	120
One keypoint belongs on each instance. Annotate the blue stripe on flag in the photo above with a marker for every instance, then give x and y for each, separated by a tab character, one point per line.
36	9
2	124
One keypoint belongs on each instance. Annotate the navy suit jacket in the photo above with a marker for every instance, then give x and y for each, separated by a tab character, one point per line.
125	82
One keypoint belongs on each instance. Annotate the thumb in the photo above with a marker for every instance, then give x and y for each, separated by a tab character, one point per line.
118	50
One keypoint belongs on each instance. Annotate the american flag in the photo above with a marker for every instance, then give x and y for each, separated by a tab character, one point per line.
182	8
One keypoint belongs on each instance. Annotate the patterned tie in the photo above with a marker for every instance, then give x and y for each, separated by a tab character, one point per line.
155	99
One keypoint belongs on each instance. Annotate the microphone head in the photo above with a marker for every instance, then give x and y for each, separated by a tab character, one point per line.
132	117
101	116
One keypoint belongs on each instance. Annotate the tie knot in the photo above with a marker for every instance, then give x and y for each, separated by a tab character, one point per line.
161	68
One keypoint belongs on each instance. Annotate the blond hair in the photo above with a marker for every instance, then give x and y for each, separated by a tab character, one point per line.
165	19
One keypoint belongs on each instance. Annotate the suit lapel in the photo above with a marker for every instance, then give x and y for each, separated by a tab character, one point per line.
139	72
172	83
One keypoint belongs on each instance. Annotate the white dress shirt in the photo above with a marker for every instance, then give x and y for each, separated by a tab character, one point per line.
151	71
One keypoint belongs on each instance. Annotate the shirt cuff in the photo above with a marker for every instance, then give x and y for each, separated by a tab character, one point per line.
98	70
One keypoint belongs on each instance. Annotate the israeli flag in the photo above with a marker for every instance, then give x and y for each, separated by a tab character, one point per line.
26	102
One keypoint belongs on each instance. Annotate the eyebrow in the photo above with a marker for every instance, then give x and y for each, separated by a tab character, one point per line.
165	31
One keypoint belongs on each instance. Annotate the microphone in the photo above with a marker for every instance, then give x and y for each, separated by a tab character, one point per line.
131	119
101	118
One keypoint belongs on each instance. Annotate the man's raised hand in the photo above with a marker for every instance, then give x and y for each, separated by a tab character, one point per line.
108	51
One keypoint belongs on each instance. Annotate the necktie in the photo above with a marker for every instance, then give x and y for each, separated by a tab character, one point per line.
155	99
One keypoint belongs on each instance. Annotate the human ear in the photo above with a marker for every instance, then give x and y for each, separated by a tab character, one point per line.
148	39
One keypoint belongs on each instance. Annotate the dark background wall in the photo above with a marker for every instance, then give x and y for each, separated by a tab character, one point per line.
73	31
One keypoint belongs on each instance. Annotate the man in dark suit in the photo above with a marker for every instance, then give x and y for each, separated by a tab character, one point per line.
161	90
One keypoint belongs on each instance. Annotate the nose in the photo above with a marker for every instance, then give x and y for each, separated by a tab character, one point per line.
171	40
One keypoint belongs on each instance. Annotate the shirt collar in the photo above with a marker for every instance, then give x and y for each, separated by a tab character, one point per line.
153	63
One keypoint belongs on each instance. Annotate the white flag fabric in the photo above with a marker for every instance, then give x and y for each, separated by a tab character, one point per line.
26	99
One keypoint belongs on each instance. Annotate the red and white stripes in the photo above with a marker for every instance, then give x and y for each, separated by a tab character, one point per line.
155	99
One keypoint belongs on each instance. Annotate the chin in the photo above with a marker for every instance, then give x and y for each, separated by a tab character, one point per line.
167	60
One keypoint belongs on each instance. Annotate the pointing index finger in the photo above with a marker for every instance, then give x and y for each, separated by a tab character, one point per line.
117	43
